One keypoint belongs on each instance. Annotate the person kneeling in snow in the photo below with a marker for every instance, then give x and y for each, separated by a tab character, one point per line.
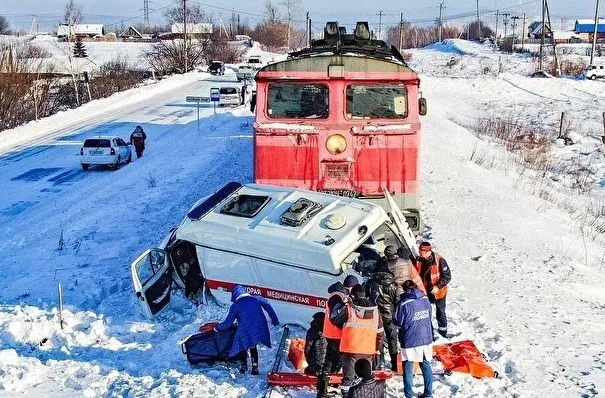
252	327
368	387
315	345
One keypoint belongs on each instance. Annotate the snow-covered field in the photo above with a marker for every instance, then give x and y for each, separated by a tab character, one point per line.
527	283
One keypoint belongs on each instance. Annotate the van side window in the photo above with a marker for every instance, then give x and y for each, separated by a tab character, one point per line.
245	205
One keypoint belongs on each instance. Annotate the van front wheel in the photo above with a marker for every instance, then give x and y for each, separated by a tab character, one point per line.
593	77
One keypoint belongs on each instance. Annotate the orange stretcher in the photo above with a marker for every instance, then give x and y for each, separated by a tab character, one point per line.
293	379
463	356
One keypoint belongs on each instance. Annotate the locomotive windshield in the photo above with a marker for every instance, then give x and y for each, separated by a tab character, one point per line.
377	102
292	100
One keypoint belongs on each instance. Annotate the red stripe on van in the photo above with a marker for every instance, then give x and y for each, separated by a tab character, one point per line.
272	294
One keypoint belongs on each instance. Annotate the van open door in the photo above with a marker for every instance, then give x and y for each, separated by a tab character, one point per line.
402	225
152	280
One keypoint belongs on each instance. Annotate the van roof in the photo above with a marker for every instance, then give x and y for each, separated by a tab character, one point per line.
265	236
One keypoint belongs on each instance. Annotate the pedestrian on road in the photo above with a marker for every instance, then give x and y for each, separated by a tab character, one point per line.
137	138
252	329
436	275
413	316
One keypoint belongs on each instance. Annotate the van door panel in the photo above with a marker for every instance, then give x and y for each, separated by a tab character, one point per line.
152	275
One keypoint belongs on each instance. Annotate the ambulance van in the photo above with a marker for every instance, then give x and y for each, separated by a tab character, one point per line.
285	244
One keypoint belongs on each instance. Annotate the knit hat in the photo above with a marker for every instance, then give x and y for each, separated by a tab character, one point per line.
358	291
363	369
351	280
426	246
390	252
408	285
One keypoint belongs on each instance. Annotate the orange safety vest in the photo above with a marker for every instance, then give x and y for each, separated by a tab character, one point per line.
435	276
359	333
332	331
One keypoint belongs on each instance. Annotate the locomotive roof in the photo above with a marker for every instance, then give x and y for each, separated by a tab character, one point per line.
265	235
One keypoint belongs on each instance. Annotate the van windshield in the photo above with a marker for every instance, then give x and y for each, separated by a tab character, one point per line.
97	143
369	253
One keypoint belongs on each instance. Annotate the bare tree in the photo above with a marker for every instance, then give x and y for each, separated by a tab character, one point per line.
195	14
271	11
4	25
167	56
73	12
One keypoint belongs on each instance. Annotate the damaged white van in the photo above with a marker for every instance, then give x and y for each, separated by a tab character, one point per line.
285	244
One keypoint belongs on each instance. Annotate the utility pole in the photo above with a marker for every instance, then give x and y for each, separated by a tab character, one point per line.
505	20
441	7
478	22
308	38
146	11
310	32
514	26
379	24
523	34
185	33
239	29
401	32
595	33
496	33
542	33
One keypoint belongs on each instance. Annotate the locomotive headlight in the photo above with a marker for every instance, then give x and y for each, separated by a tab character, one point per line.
336	144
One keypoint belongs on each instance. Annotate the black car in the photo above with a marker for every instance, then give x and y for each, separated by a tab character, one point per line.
217	68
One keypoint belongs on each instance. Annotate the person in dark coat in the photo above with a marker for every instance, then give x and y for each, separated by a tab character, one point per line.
137	138
368	387
381	290
252	327
413	316
315	345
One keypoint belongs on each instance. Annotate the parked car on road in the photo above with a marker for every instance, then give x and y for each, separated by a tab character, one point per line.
230	96
109	151
595	71
216	68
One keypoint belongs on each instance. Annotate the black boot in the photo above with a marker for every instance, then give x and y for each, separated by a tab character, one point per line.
243	367
254	369
322	384
394	363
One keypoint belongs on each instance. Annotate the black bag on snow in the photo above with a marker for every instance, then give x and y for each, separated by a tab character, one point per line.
209	347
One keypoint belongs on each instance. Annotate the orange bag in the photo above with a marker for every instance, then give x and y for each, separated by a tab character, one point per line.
463	356
296	354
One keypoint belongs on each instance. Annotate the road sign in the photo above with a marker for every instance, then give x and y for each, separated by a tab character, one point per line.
197	99
215	94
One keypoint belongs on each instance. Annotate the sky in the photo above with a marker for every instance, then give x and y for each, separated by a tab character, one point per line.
49	12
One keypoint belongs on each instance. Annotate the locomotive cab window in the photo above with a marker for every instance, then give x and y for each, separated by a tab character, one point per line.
385	101
297	100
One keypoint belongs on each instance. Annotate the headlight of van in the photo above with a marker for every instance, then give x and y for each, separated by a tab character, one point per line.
336	144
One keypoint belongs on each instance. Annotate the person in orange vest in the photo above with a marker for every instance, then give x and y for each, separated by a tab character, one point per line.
339	296
436	275
361	333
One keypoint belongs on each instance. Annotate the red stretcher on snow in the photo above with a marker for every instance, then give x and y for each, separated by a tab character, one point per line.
461	356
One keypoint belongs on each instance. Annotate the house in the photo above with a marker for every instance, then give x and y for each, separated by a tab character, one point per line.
196	30
80	30
537	32
585	28
131	33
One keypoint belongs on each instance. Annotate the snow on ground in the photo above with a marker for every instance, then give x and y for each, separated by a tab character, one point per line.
526	285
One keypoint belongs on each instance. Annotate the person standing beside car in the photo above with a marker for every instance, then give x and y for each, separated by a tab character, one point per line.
137	138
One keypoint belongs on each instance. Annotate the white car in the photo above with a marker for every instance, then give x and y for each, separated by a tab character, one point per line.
595	71
230	96
109	151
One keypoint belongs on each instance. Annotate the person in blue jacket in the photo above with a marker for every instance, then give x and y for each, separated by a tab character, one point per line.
252	329
413	316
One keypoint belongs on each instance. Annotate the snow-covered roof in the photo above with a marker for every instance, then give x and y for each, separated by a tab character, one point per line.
80	29
266	236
